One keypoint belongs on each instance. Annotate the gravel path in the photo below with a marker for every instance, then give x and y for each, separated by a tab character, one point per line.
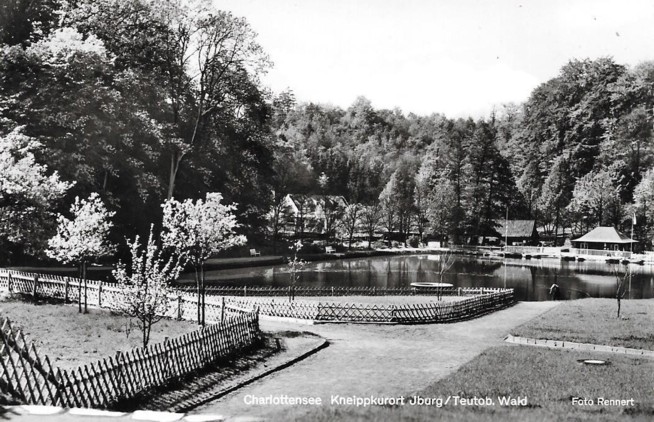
375	360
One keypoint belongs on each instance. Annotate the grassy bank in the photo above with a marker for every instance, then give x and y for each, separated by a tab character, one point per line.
549	379
72	339
594	321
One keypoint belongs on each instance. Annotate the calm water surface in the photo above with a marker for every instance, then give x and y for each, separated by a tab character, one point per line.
531	279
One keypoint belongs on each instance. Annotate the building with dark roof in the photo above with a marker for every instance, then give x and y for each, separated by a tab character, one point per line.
517	232
604	238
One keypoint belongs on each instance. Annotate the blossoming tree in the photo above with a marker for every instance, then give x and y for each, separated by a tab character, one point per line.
197	230
146	284
83	238
27	193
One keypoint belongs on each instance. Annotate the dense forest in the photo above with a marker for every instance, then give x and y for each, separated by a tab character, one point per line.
141	101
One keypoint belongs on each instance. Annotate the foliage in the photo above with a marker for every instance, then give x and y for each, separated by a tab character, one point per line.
595	197
642	207
84	237
146	284
371	216
195	230
198	229
145	100
350	221
441	208
27	192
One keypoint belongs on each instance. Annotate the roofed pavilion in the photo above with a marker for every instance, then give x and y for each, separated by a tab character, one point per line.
604	238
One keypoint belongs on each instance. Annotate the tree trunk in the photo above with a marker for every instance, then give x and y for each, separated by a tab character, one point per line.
175	160
86	310
204	292
197	288
145	334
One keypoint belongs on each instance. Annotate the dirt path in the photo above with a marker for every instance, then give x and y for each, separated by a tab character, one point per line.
375	360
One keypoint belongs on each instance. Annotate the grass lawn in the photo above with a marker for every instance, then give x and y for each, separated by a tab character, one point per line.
549	379
71	339
594	321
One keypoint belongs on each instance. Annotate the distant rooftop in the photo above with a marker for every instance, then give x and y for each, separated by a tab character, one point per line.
516	228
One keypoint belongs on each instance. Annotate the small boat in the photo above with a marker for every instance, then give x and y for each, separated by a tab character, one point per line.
637	261
612	260
625	261
431	285
580	259
567	257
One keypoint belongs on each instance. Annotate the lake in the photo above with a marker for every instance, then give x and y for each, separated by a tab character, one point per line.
531	279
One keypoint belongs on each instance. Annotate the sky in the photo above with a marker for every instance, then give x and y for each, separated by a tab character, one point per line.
455	57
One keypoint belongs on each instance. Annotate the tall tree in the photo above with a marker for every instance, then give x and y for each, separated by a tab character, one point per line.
596	198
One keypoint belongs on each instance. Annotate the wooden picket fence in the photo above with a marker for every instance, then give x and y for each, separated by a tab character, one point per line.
435	312
107	382
223	301
181	305
31	379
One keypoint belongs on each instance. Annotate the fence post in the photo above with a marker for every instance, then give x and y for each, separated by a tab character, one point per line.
245	291
100	294
36	281
222	309
167	369
179	307
459	291
66	289
9	287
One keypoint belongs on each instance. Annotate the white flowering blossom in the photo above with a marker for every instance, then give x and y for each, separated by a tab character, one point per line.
62	44
27	192
83	238
199	229
21	175
146	284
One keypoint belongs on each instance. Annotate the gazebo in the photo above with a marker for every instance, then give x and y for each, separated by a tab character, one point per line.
604	238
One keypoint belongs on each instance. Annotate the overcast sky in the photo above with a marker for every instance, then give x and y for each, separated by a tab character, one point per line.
456	57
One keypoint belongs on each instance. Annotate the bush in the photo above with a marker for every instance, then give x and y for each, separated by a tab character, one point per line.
414	241
310	248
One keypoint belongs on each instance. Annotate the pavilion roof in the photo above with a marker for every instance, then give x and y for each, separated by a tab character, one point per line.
604	235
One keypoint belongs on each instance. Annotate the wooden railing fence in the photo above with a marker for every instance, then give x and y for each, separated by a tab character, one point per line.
30	379
223	301
358	312
103	384
273	291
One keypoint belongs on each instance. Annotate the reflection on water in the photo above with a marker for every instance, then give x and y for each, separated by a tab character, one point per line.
531	279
